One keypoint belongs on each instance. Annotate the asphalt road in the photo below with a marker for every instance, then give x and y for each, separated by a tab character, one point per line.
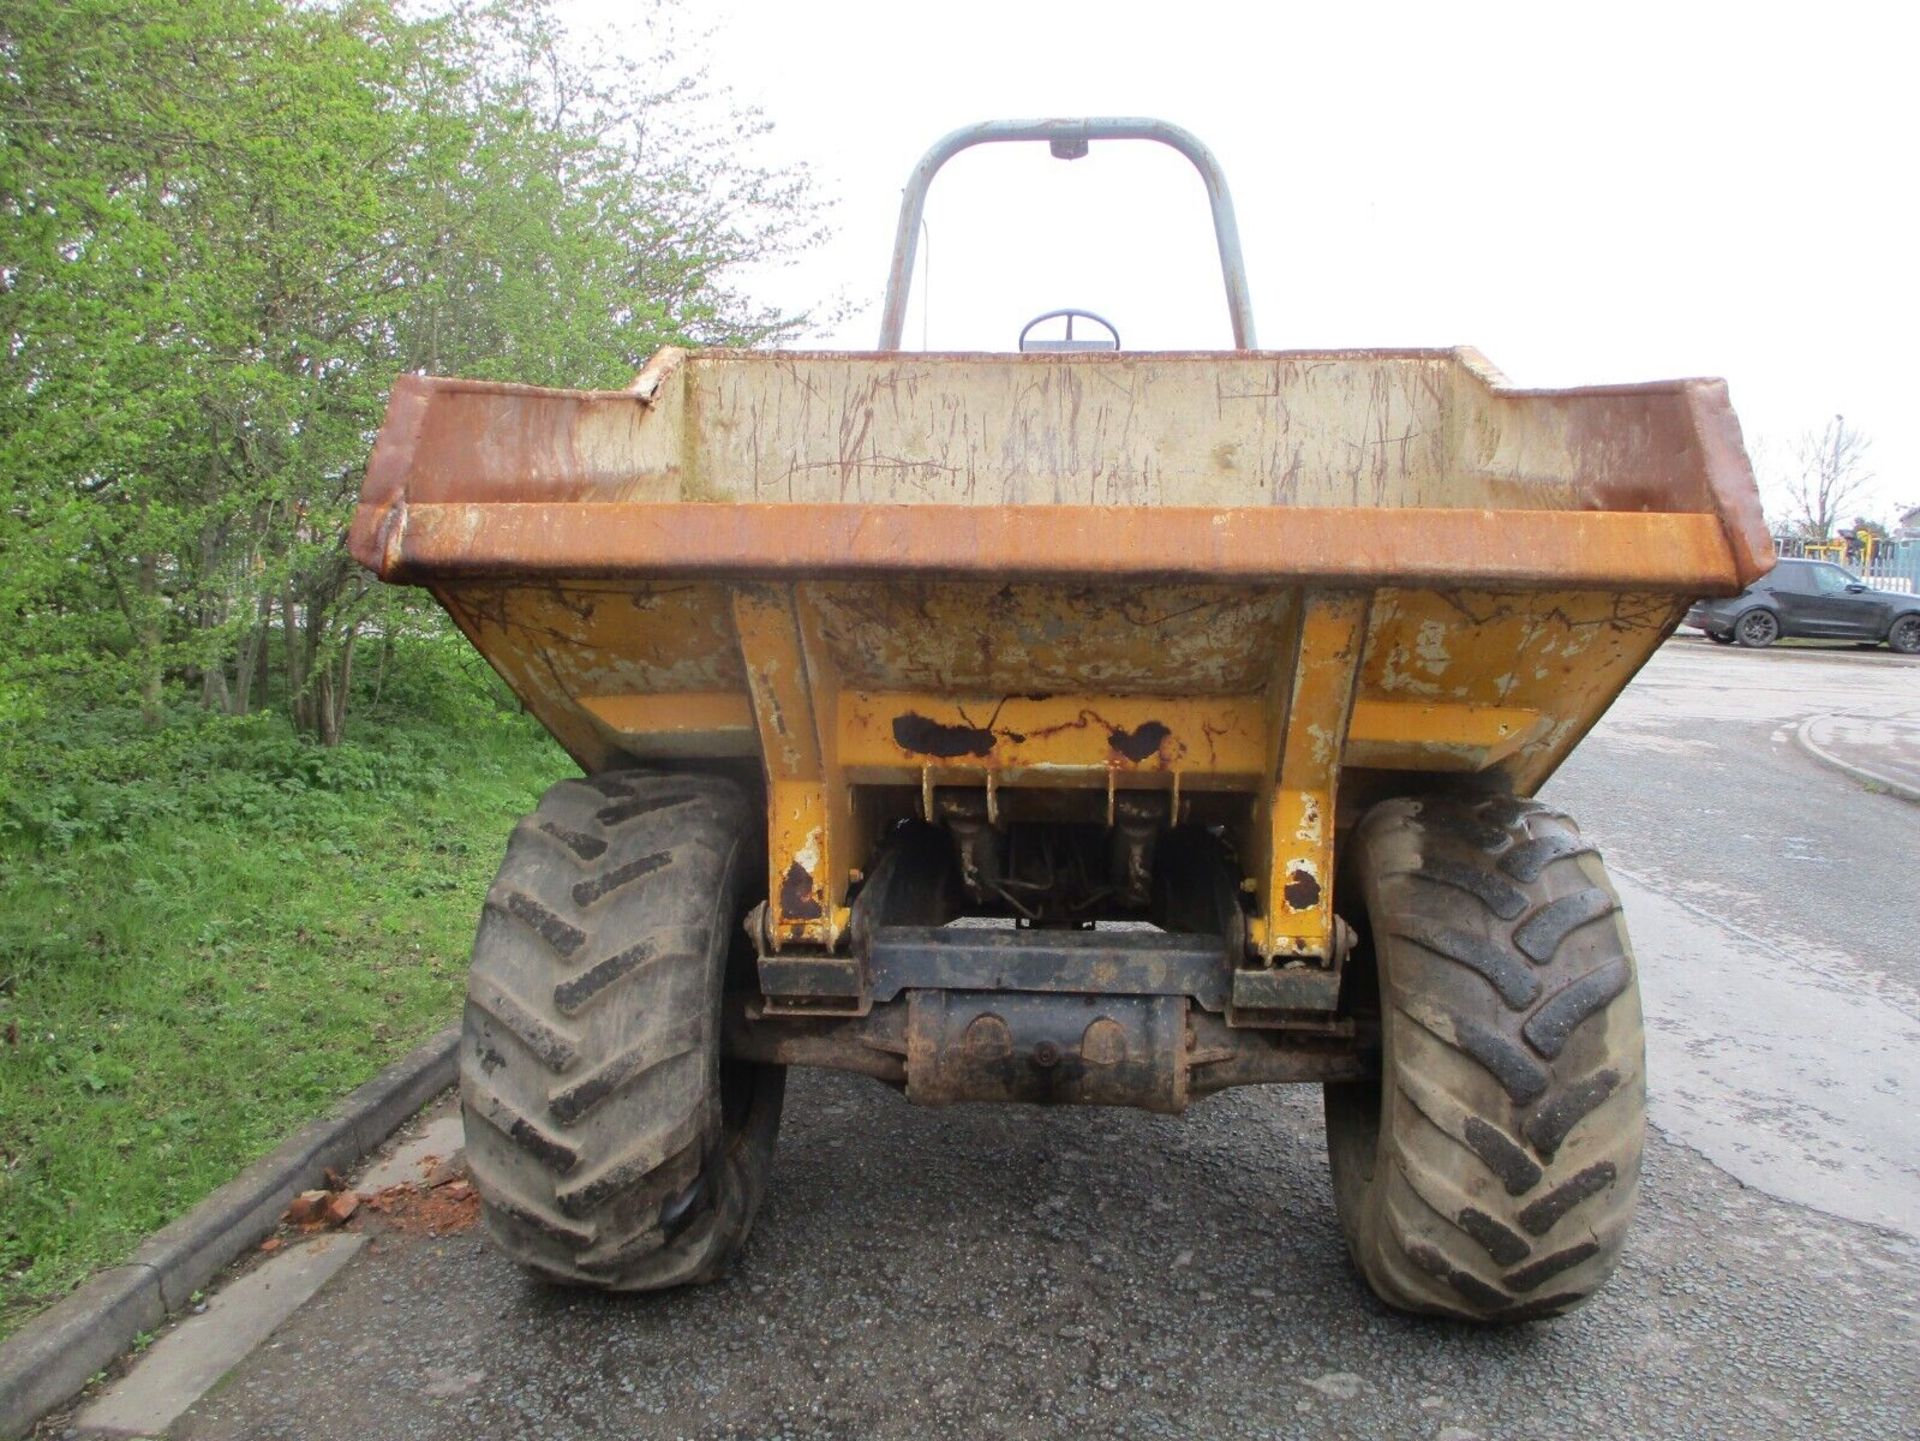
981	1272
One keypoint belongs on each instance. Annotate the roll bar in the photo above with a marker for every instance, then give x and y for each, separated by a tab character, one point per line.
1068	139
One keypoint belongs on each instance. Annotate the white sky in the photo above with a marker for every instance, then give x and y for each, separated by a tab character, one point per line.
1586	193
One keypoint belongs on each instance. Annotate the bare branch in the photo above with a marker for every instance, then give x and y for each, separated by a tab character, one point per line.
1830	473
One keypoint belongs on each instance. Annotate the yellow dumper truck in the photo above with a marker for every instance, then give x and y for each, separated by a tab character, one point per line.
1066	726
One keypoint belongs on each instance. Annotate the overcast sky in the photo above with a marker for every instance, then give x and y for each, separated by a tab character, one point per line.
1586	193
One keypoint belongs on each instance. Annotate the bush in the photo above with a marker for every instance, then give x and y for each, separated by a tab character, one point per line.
102	777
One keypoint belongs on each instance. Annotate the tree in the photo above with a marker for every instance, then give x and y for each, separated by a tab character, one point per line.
233	222
1830	472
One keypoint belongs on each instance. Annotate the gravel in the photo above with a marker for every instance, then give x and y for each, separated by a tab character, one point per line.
997	1272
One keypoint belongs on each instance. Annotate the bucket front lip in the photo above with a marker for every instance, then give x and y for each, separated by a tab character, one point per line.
1602	550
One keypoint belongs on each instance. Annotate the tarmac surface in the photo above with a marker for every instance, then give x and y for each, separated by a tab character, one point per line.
984	1272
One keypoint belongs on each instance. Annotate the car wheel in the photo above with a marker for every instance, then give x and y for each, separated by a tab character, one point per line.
1757	629
1905	635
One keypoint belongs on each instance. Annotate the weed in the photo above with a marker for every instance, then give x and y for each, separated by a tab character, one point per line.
209	933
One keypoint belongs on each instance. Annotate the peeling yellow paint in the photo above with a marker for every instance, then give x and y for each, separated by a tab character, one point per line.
1430	644
1270	693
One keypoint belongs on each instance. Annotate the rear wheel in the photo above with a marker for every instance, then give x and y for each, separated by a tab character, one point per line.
1491	1170
610	1144
1757	629
1905	635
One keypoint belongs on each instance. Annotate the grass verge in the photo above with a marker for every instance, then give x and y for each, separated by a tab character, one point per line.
211	932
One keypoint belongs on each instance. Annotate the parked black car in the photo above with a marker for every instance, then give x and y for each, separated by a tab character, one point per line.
1811	598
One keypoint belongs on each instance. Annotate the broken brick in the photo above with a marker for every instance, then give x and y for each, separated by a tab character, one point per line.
340	1207
306	1208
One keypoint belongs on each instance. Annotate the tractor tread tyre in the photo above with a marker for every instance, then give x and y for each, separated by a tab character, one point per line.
609	1144
1490	1173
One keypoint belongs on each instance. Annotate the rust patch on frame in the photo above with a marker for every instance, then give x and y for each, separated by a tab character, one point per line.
1214	742
802	787
1311	703
1142	741
799	895
1302	891
927	737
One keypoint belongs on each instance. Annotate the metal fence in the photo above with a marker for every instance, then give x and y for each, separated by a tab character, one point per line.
1895	568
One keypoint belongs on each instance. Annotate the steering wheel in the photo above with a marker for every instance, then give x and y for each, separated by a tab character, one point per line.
1070	343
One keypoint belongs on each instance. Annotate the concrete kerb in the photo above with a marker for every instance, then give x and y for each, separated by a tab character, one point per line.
54	1357
1788	651
1804	734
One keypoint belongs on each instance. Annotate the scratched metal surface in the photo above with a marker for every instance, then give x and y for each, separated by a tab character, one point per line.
983	637
1360	429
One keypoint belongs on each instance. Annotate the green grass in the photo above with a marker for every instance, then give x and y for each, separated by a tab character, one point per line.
210	933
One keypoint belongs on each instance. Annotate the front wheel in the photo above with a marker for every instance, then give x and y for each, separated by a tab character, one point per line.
1757	629
1489	1173
611	1144
1905	635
